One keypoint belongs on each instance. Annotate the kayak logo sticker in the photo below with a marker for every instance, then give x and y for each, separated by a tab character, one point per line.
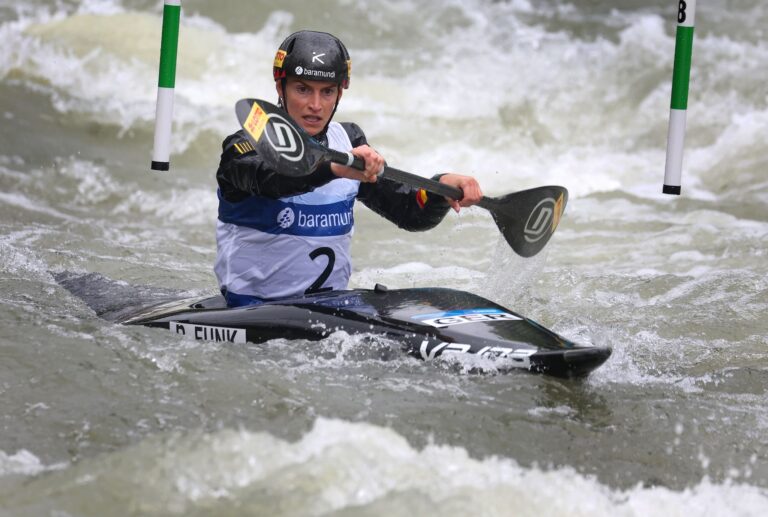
208	333
285	218
520	357
284	138
543	219
461	317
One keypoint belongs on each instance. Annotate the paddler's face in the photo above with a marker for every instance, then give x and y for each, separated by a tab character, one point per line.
309	103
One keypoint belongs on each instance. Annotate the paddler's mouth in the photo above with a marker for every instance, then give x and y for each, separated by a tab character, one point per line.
313	121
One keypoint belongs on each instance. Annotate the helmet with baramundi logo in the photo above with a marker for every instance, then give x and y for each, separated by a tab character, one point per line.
313	56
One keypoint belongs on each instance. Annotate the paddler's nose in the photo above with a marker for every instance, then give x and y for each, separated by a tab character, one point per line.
314	101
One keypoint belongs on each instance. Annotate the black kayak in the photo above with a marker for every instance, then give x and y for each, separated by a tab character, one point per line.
428	322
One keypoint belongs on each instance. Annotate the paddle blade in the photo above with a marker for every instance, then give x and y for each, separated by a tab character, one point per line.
527	219
277	138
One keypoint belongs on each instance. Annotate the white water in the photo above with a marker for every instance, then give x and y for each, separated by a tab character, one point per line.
340	466
518	93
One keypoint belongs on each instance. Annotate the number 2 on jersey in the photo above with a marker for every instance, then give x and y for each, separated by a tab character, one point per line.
316	286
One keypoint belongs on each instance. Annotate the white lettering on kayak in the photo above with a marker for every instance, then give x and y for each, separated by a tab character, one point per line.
438	349
521	356
460	319
208	333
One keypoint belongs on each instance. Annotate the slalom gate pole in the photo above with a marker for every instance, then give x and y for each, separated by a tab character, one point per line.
161	155
681	73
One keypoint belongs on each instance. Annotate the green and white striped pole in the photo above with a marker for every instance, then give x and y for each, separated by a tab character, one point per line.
686	10
161	156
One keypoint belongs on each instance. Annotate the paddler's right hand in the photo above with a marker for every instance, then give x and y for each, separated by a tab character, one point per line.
374	163
468	185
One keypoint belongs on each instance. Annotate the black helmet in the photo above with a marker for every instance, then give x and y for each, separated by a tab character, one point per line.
314	56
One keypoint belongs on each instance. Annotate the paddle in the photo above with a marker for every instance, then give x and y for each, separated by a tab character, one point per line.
527	219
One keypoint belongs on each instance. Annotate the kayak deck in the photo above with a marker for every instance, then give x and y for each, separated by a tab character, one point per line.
429	322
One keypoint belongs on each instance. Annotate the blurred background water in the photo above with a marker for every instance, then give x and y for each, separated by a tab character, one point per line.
99	419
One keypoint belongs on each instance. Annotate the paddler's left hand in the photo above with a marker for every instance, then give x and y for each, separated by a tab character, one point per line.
468	185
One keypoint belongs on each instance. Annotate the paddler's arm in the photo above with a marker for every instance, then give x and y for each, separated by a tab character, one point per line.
242	173
408	207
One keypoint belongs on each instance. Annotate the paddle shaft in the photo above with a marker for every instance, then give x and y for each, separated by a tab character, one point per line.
526	219
408	178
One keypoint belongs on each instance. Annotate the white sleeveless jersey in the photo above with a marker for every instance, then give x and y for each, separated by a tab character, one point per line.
275	248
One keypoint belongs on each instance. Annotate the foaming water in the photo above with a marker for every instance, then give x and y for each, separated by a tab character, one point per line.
520	93
521	100
339	467
101	64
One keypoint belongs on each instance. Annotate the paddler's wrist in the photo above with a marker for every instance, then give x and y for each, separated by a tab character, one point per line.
437	200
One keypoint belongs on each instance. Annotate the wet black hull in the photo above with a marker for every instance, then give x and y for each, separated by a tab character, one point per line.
429	322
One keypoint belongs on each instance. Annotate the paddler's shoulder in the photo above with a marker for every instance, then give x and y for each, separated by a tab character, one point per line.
355	133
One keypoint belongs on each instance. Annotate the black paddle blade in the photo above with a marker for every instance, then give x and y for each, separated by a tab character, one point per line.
277	138
527	219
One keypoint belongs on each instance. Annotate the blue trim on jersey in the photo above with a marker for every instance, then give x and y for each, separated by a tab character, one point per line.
280	216
241	300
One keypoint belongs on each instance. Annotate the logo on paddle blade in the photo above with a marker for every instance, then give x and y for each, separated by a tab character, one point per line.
543	219
284	138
